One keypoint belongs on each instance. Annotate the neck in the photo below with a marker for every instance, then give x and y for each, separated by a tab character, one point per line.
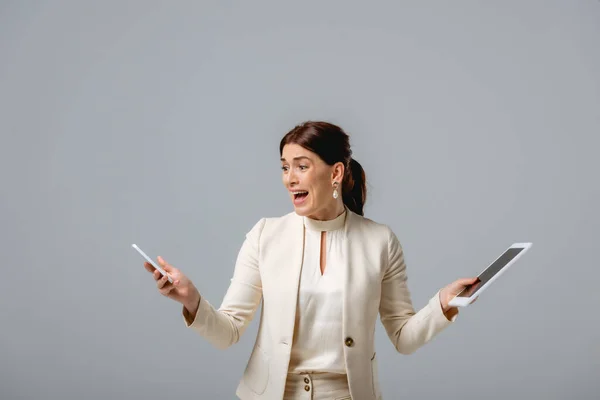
329	213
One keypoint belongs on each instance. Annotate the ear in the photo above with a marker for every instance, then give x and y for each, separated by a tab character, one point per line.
337	174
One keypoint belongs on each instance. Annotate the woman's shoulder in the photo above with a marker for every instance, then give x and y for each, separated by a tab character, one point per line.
377	233
288	218
370	225
268	224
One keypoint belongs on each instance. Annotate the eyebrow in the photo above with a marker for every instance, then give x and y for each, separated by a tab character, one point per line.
298	158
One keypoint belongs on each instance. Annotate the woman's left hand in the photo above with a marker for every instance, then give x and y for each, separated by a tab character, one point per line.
450	291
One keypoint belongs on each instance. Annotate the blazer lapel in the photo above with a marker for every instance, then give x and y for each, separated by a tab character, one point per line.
289	277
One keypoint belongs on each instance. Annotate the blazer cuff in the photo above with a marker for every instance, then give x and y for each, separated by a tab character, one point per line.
193	321
437	313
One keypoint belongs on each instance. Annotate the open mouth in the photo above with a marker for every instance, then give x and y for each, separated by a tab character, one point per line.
300	195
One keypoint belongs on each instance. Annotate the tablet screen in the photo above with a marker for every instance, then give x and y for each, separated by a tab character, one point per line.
492	270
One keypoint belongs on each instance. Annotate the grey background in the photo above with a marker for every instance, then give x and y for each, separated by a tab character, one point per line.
158	123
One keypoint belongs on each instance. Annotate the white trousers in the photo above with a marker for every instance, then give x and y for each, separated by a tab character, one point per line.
318	386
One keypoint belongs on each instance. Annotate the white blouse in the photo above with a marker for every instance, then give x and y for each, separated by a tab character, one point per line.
317	343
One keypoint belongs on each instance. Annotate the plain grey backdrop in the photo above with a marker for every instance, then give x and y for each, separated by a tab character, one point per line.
158	123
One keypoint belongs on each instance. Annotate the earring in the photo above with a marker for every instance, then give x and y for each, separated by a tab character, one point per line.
335	192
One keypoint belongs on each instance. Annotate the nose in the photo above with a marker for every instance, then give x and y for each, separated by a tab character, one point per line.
292	179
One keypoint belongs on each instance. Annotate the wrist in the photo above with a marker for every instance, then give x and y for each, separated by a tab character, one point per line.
451	313
448	311
444	301
192	305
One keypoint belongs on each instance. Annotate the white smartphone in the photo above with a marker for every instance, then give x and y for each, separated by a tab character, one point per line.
155	265
490	274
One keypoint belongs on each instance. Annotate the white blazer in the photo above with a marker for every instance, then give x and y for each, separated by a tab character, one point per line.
267	271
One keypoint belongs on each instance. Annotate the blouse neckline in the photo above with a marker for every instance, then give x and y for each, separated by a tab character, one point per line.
326	226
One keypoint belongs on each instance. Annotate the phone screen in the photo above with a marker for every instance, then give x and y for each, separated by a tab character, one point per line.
492	270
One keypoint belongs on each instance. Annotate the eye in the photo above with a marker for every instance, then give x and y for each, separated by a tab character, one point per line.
284	168
303	167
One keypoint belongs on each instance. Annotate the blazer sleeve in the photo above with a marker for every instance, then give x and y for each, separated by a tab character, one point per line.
408	330
223	327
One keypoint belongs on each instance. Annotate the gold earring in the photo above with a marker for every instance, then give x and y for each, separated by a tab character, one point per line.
335	192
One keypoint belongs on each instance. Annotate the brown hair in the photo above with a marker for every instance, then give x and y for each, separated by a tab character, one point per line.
332	144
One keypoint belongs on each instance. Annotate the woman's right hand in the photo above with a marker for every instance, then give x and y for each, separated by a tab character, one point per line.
181	290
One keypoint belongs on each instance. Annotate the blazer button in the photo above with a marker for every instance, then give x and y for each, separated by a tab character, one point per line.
349	342
307	388
306	380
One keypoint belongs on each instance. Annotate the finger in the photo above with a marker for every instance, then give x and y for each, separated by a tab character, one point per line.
467	281
157	275
149	267
166	287
166	266
161	282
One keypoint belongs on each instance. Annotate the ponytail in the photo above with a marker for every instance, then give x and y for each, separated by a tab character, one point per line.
354	188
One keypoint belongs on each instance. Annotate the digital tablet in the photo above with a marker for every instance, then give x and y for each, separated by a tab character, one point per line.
490	274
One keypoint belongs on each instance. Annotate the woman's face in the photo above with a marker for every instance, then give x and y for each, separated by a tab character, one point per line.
309	181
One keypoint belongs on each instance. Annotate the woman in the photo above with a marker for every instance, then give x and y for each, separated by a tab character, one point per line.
323	273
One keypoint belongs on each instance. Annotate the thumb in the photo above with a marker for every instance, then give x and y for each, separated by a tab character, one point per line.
467	281
164	264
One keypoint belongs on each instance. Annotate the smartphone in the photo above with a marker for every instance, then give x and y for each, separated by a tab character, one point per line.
490	274
155	265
